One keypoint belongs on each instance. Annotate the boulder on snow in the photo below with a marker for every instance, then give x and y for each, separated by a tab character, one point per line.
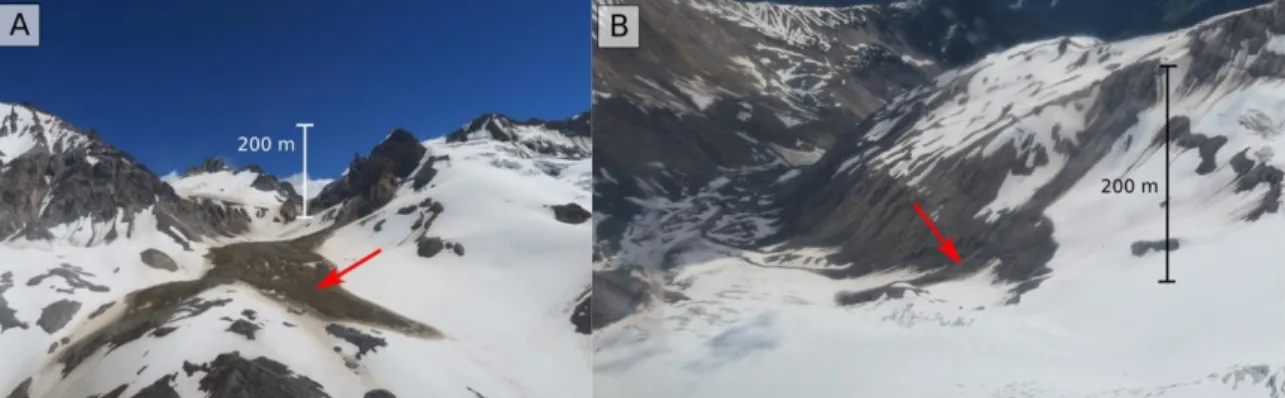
365	343
244	328
429	247
455	247
570	213
158	259
379	393
580	315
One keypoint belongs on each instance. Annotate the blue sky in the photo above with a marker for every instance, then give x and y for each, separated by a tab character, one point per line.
173	82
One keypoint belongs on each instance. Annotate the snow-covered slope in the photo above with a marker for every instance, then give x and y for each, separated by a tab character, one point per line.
822	281
23	128
472	295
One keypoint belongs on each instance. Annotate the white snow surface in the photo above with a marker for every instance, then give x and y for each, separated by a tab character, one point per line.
227	186
23	128
504	305
1099	326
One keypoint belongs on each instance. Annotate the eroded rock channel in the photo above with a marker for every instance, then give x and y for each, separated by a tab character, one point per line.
287	271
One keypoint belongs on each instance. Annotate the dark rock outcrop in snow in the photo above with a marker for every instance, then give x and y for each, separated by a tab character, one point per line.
231	375
161	388
580	315
71	275
211	164
1139	248
365	343
456	247
244	328
21	390
571	213
8	316
425	174
158	259
1180	135
57	314
379	393
1250	174
427	247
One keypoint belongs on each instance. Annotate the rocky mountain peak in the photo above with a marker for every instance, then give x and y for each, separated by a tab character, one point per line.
56	174
567	138
371	181
495	126
211	164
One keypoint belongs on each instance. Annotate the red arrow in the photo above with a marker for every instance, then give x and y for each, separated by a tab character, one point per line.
947	245
335	278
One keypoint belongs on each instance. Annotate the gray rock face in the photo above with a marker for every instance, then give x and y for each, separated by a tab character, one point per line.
379	393
1251	174
211	164
231	375
21	390
8	316
161	388
427	247
372	181
571	213
57	314
1140	248
892	291
1181	135
244	328
455	247
580	316
158	259
365	343
72	275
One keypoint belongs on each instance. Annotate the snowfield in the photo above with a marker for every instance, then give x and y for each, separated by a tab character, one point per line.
1099	325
